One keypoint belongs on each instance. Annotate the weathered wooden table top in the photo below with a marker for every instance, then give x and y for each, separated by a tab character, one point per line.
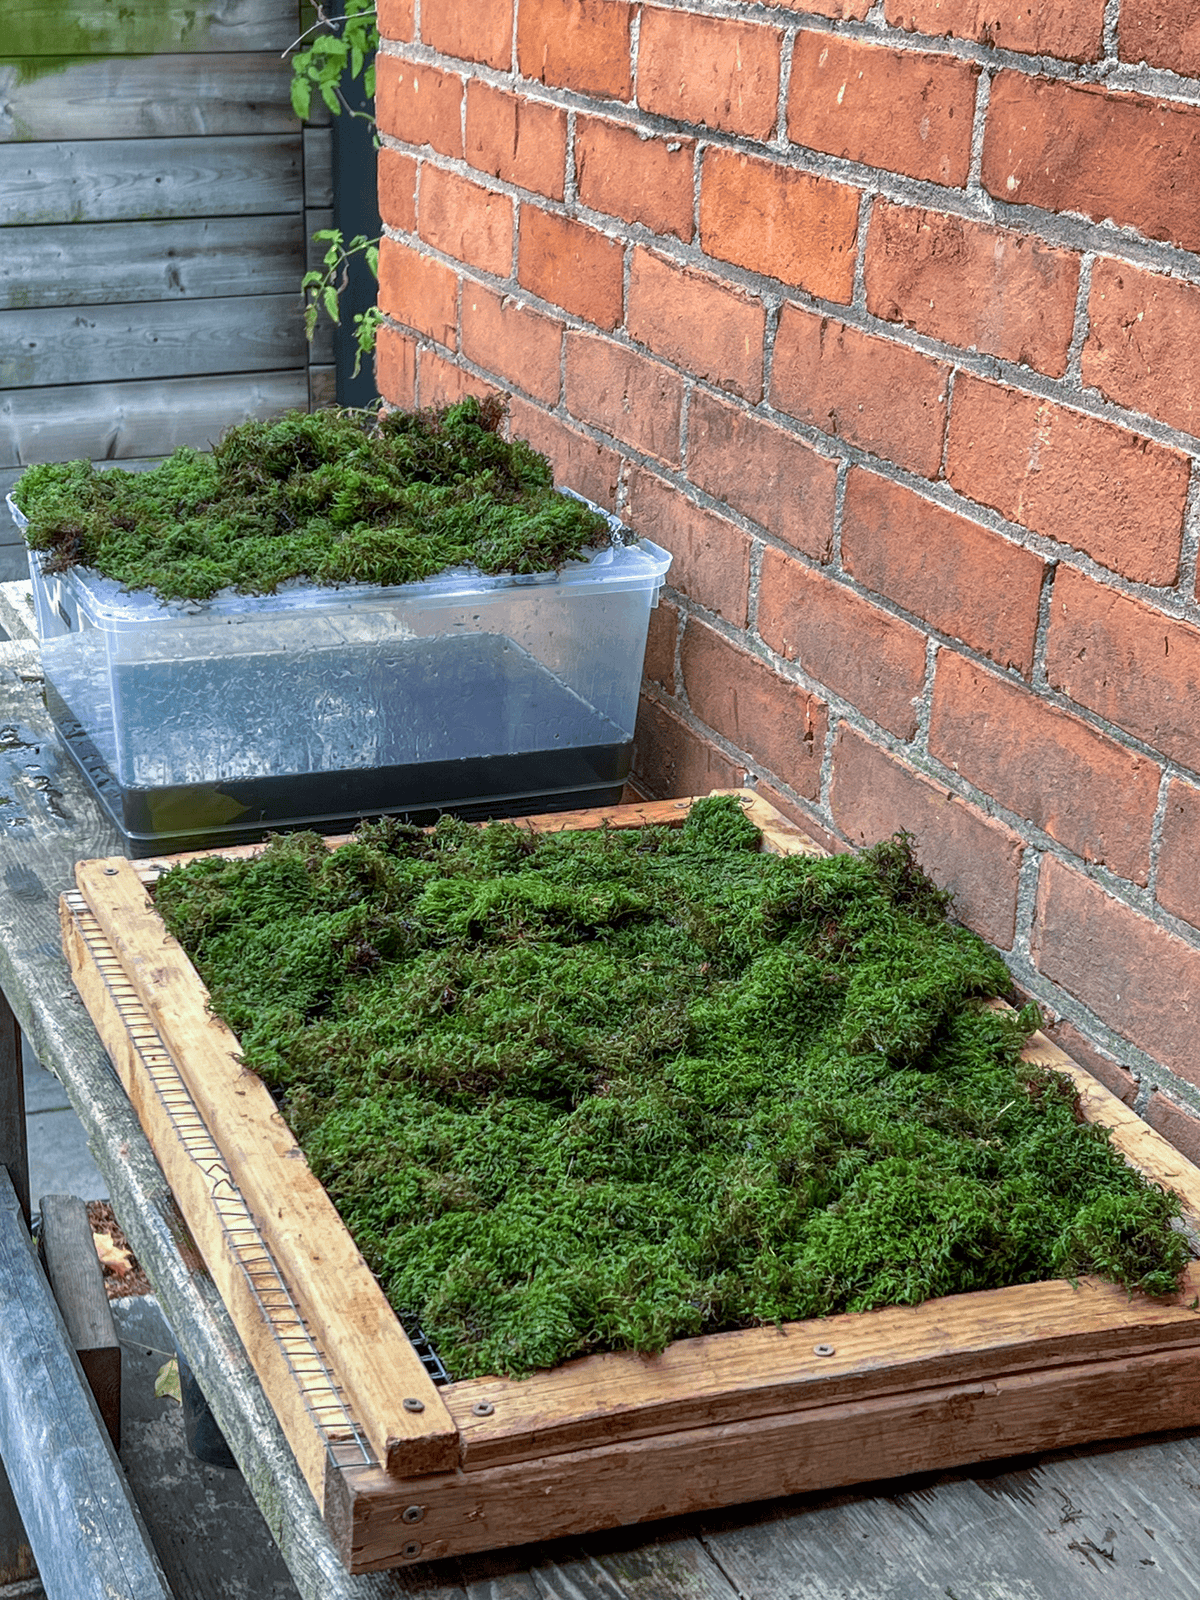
1122	1522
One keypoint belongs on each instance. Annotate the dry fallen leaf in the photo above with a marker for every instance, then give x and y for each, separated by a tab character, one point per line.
113	1259
166	1385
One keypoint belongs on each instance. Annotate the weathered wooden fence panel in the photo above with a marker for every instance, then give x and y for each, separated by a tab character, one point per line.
157	194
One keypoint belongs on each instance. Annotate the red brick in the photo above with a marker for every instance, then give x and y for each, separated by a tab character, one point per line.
981	288
1070	32
962	579
1165	33
522	141
660	645
1088	483
577	44
1052	144
1179	860
1110	1073
419	292
977	859
467	221
640	180
579	463
1179	1127
874	660
789	225
1127	662
769	717
572	266
711	562
879	395
1139	979
708	327
722	73
839	10
766	474
670	758
1079	786
395	19
897	109
397	182
396	368
523	347
636	400
481	31
1140	348
444	384
419	104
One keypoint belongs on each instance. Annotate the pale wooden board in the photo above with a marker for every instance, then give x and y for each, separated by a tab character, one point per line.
644	1480
195	1183
135	97
159	339
114	27
98	263
107	180
729	1376
339	1295
119	422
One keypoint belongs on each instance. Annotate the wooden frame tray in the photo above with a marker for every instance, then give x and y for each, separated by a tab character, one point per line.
406	1471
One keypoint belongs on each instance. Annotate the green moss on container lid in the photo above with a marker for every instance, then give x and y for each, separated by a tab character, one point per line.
329	497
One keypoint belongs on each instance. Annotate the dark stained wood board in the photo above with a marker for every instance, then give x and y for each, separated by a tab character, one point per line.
614	1439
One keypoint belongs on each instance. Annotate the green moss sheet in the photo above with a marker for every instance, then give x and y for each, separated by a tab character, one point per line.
331	497
593	1091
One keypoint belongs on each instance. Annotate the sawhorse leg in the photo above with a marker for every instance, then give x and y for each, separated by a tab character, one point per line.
14	1147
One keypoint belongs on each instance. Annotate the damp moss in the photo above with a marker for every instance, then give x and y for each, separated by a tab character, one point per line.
593	1091
333	496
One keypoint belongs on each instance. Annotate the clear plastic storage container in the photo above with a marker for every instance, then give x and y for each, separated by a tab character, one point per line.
202	723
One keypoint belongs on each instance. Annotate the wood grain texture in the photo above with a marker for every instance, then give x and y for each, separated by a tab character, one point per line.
339	1296
68	1255
110	180
854	1442
726	1377
195	1185
111	27
165	338
102	263
82	1524
122	422
138	97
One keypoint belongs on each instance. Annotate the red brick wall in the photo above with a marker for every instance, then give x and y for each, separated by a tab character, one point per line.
885	319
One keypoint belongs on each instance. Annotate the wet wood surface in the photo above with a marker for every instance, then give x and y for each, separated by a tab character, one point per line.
1112	1522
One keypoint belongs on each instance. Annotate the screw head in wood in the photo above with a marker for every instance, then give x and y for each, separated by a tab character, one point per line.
413	1514
411	1549
823	1349
482	1408
413	1405
110	872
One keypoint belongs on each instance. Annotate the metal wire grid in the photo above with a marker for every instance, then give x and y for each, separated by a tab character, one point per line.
321	1392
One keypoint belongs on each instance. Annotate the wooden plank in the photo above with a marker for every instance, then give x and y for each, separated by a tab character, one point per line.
120	422
166	338
101	263
86	1534
14	1148
726	1377
318	170
1141	1146
196	1179
68	1255
137	97
397	1403
827	1446
108	180
114	27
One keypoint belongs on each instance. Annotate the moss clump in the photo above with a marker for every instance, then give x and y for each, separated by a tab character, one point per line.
593	1091
331	497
